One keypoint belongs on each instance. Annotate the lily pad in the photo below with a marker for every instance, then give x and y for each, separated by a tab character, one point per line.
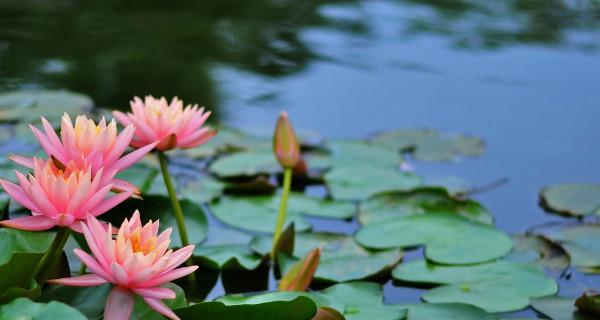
359	182
24	308
572	199
259	213
364	301
29	105
232	256
352	153
245	164
228	140
342	259
581	243
20	254
159	208
540	251
559	308
320	299
140	175
431	145
391	205
300	308
499	286
428	311
449	238
199	189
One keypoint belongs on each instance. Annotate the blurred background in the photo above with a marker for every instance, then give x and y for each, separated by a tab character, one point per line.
522	74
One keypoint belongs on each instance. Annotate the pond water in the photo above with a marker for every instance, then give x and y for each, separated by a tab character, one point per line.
521	74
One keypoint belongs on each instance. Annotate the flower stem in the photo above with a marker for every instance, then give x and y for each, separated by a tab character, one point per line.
162	157
287	184
49	259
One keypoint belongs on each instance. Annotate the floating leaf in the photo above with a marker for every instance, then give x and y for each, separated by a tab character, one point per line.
300	308
429	311
362	181
540	251
29	105
581	243
245	164
342	259
431	145
391	205
159	208
320	299
141	310
140	175
24	308
231	256
258	213
498	286
571	199
350	153
20	254
299	276
364	301
449	238
326	313
198	189
559	308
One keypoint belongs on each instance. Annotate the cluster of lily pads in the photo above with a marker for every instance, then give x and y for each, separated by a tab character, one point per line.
357	200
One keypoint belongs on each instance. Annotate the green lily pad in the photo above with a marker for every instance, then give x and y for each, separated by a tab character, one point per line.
245	164
581	243
320	299
159	208
540	251
141	310
232	256
364	301
359	182
449	238
259	213
571	199
228	140
140	175
29	105
431	145
24	308
20	254
428	311
352	153
559	308
300	308
342	259
199	189
390	205
499	286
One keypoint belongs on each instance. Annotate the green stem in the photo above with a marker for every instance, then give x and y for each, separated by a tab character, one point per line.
162	157
50	258
287	184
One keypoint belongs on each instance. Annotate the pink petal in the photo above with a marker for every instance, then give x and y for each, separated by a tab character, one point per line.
161	308
122	118
110	203
46	145
30	223
155	293
132	157
169	276
54	140
19	195
119	304
122	185
88	280
120	275
24	161
92	264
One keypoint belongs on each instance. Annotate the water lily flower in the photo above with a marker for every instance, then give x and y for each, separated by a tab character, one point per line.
89	144
285	143
60	197
171	124
137	262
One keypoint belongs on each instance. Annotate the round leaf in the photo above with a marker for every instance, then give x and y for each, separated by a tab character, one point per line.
29	105
572	199
24	308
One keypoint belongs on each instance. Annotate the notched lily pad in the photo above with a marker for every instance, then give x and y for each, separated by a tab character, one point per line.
390	205
571	199
539	251
581	243
499	286
29	105
24	308
429	311
559	308
364	301
449	238
431	145
358	182
245	164
351	153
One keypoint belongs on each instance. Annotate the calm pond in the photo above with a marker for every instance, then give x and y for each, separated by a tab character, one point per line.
521	74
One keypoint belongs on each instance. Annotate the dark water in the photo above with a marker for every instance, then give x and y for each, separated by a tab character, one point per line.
522	74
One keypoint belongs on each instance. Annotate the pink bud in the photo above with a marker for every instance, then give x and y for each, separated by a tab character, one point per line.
285	143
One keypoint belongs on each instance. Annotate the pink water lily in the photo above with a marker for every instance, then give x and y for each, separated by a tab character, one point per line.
171	124
138	262
89	144
60	197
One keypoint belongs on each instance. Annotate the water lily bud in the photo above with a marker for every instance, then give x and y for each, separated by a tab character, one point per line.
285	143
